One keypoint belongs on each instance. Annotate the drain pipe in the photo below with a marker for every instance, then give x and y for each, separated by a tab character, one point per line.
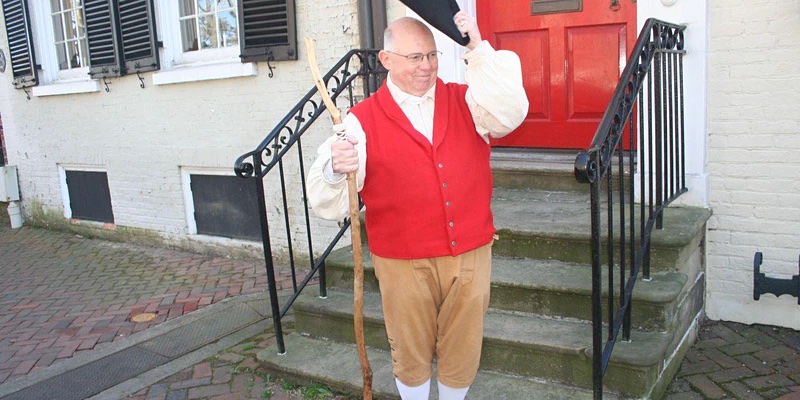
371	23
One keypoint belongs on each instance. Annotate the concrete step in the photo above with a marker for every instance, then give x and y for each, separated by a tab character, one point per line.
514	343
337	366
550	288
544	170
556	225
541	169
550	225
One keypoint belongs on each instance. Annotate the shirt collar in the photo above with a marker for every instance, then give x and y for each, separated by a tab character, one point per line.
401	97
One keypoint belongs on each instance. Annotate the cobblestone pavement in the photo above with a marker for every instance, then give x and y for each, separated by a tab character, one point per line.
61	294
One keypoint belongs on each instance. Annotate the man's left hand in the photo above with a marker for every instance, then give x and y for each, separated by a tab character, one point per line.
468	25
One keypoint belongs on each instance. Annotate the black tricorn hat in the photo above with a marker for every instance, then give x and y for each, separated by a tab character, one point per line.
439	13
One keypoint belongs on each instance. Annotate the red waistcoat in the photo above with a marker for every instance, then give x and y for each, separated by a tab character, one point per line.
425	200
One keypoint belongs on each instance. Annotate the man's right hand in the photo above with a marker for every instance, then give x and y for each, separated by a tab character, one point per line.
344	156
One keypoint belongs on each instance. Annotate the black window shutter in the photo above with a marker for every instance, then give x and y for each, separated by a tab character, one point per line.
138	31
20	43
268	30
105	56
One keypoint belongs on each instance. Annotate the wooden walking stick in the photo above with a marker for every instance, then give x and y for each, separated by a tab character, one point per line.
355	231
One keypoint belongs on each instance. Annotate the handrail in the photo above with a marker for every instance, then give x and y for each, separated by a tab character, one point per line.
653	81
357	70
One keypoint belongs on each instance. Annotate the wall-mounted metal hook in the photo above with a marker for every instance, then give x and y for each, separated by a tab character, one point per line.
27	93
270	57
141	79
106	83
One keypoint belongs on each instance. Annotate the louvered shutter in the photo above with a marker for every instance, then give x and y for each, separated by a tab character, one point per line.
267	28
105	56
20	43
138	31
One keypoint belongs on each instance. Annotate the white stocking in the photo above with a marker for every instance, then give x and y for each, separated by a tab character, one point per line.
420	392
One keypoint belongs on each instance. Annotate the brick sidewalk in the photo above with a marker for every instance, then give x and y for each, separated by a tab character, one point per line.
736	361
61	294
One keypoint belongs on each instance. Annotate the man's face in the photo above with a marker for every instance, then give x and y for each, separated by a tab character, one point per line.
412	78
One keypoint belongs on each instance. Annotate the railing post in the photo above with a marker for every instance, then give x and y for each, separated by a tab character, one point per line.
268	263
597	311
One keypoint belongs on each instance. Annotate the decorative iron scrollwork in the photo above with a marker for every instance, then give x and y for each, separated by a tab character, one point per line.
342	81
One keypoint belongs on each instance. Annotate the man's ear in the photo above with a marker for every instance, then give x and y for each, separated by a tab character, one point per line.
386	61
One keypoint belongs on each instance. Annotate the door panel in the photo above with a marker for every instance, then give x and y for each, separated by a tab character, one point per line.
571	63
533	50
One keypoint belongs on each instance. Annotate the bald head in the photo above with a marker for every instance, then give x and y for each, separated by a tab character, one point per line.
405	27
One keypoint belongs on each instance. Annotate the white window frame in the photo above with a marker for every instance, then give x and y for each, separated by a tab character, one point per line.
188	200
62	177
201	65
52	80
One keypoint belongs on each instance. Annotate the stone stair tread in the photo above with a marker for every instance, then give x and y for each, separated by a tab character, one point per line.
546	334
566	277
552	275
566	215
337	365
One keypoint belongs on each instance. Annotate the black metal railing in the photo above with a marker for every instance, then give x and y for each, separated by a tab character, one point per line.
649	101
355	77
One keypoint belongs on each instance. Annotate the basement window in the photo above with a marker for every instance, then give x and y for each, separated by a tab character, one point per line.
224	206
89	196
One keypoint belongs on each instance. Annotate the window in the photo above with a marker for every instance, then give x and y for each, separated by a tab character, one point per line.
117	37
222	205
89	196
208	24
69	31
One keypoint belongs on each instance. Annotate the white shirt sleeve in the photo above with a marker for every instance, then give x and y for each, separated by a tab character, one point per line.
495	96
327	190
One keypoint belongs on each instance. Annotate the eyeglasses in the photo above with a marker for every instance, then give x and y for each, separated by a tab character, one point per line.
416	58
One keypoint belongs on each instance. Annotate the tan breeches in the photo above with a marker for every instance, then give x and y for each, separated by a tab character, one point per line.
436	306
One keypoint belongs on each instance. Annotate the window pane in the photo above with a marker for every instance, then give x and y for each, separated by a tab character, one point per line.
227	27
84	53
186	7
208	32
72	25
189	34
61	52
58	28
55	6
66	4
204	5
225	4
74	54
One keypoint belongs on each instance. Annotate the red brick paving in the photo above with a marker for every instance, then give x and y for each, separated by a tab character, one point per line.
61	294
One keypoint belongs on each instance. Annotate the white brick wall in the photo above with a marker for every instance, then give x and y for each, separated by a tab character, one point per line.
143	137
753	146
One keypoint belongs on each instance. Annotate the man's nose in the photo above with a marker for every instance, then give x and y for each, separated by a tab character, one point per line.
426	63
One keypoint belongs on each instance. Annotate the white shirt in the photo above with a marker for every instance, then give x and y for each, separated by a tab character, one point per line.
495	97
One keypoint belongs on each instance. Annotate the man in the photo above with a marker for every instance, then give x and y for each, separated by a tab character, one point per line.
420	149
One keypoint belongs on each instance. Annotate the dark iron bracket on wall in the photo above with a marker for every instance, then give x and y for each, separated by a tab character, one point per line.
763	285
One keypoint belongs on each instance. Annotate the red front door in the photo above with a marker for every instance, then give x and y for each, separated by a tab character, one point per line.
571	63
